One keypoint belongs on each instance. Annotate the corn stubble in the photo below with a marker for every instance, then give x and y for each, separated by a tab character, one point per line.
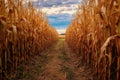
24	32
94	35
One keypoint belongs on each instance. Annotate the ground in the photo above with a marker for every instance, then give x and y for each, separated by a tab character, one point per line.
55	63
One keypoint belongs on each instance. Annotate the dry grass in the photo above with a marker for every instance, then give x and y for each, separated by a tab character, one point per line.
94	36
24	32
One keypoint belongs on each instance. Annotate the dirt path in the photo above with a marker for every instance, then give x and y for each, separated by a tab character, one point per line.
55	63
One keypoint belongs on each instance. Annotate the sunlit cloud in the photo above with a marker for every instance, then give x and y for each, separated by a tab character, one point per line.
59	12
60	31
70	10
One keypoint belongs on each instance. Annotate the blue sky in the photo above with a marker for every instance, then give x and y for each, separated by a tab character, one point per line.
59	12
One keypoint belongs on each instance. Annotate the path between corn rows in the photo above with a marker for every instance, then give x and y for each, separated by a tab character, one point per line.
55	63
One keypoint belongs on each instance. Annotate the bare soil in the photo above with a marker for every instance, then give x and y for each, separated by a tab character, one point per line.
55	63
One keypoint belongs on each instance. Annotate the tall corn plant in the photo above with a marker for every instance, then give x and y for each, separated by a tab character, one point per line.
24	32
95	32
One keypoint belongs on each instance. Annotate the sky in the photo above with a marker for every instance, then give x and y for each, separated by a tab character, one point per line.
59	12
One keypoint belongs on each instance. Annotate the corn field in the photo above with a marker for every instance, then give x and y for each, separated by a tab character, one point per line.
94	35
24	32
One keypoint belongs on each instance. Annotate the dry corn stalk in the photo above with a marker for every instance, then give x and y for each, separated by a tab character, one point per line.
93	24
24	32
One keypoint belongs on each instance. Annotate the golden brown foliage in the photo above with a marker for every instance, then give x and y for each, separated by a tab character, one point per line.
94	36
24	32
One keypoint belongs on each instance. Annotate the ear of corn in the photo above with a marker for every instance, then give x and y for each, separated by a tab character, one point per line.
24	32
94	36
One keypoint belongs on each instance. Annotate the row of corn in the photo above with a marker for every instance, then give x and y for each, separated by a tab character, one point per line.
24	32
94	35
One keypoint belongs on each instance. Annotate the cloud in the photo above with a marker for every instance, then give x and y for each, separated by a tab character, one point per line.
60	12
52	7
61	31
60	21
66	9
